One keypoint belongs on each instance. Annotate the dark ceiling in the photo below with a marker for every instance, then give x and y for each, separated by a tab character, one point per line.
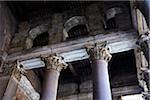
23	10
27	10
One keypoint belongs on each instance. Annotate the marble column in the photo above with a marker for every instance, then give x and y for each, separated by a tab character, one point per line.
54	65
101	84
12	85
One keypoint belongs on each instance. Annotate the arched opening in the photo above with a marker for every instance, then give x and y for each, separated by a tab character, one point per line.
111	23
41	40
111	14
76	27
78	31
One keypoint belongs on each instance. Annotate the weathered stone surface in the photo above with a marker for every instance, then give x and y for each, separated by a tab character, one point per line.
24	27
19	38
33	33
56	31
7	26
20	95
25	37
28	43
67	89
3	84
74	21
34	80
86	96
28	92
86	86
82	96
95	19
3	56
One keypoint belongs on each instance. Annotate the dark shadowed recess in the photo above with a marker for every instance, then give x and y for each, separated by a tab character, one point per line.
122	70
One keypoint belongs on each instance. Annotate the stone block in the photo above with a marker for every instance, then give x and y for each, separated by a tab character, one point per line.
18	40
81	96
95	19
24	27
67	89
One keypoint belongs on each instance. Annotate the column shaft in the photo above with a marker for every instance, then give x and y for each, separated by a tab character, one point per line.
50	85
11	89
101	82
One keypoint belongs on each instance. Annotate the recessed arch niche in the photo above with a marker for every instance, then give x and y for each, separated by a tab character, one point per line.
75	27
39	33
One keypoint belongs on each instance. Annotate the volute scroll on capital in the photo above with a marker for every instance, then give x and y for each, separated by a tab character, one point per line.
55	62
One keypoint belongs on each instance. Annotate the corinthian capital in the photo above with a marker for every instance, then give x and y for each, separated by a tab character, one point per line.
56	62
17	70
100	51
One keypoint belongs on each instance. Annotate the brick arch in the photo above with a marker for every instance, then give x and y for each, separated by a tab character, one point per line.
33	33
74	22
